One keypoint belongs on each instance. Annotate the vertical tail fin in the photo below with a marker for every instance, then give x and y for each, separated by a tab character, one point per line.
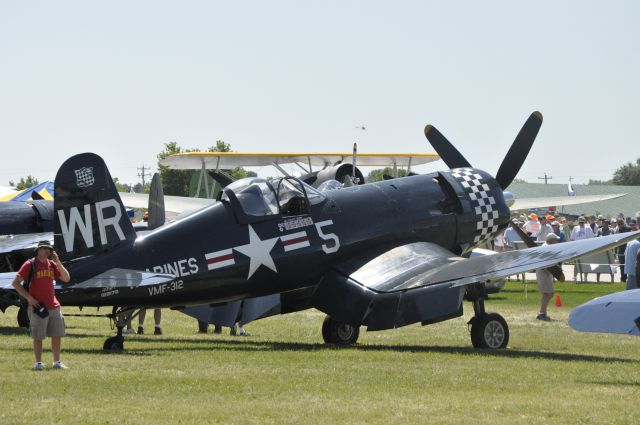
156	204
89	217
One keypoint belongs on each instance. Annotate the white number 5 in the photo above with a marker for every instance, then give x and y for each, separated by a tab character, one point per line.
328	237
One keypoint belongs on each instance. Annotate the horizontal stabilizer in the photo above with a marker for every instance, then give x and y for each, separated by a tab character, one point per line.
122	278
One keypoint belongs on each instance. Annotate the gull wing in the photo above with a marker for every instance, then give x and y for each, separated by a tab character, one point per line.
423	282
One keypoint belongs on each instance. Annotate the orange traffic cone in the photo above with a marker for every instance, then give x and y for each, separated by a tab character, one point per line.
558	301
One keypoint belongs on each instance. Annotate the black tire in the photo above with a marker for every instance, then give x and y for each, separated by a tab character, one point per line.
334	332
23	317
489	331
114	344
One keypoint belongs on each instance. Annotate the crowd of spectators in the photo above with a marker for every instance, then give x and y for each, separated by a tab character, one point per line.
573	229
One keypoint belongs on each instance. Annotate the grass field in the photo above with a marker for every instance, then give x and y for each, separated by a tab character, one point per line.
283	373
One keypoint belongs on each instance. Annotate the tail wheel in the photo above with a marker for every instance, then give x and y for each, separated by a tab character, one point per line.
334	332
114	344
489	331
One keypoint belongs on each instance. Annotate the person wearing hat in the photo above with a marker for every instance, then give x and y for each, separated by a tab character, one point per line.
45	318
545	282
545	229
581	231
593	224
532	226
603	228
559	233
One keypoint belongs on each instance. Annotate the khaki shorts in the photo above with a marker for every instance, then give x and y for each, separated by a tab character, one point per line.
52	325
545	281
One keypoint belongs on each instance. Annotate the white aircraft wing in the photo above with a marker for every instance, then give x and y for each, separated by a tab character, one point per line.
173	204
617	313
231	160
556	201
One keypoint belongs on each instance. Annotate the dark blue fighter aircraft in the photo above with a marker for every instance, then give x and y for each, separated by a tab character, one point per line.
381	255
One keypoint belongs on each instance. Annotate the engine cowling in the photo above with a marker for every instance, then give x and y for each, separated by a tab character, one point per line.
336	172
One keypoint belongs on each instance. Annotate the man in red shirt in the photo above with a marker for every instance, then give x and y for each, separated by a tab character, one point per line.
46	265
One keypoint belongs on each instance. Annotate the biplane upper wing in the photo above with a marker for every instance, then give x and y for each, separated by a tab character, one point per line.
423	282
231	160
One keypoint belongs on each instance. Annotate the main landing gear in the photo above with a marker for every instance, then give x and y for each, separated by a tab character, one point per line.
488	330
334	332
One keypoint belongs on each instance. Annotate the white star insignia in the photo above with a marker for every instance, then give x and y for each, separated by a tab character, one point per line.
258	252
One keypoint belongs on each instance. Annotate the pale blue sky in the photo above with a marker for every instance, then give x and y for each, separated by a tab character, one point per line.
122	78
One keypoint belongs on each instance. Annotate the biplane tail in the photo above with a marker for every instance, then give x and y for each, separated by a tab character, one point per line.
89	217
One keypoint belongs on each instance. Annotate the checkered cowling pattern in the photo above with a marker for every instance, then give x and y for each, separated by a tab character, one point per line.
483	204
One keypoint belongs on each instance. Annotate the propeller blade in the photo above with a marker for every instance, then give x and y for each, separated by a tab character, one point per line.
445	149
519	150
556	271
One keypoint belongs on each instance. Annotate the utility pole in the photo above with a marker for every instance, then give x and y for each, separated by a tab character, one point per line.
545	178
142	174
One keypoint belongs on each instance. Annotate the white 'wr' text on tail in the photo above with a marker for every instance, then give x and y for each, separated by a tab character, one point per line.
68	227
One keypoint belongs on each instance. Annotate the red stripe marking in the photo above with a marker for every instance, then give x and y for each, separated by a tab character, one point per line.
296	240
220	258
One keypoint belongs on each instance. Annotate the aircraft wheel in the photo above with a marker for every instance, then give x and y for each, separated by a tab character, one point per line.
334	332
114	344
23	317
489	331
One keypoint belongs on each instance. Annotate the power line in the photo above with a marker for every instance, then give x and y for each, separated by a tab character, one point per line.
142	174
545	178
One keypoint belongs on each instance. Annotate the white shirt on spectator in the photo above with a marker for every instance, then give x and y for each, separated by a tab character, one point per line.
532	227
581	232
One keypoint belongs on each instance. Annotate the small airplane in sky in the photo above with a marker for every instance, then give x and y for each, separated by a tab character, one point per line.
381	255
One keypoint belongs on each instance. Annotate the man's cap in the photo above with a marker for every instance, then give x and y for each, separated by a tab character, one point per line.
549	217
581	219
44	244
555	223
551	236
533	216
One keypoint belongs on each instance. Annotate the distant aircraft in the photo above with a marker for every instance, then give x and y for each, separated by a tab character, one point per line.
381	255
614	313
